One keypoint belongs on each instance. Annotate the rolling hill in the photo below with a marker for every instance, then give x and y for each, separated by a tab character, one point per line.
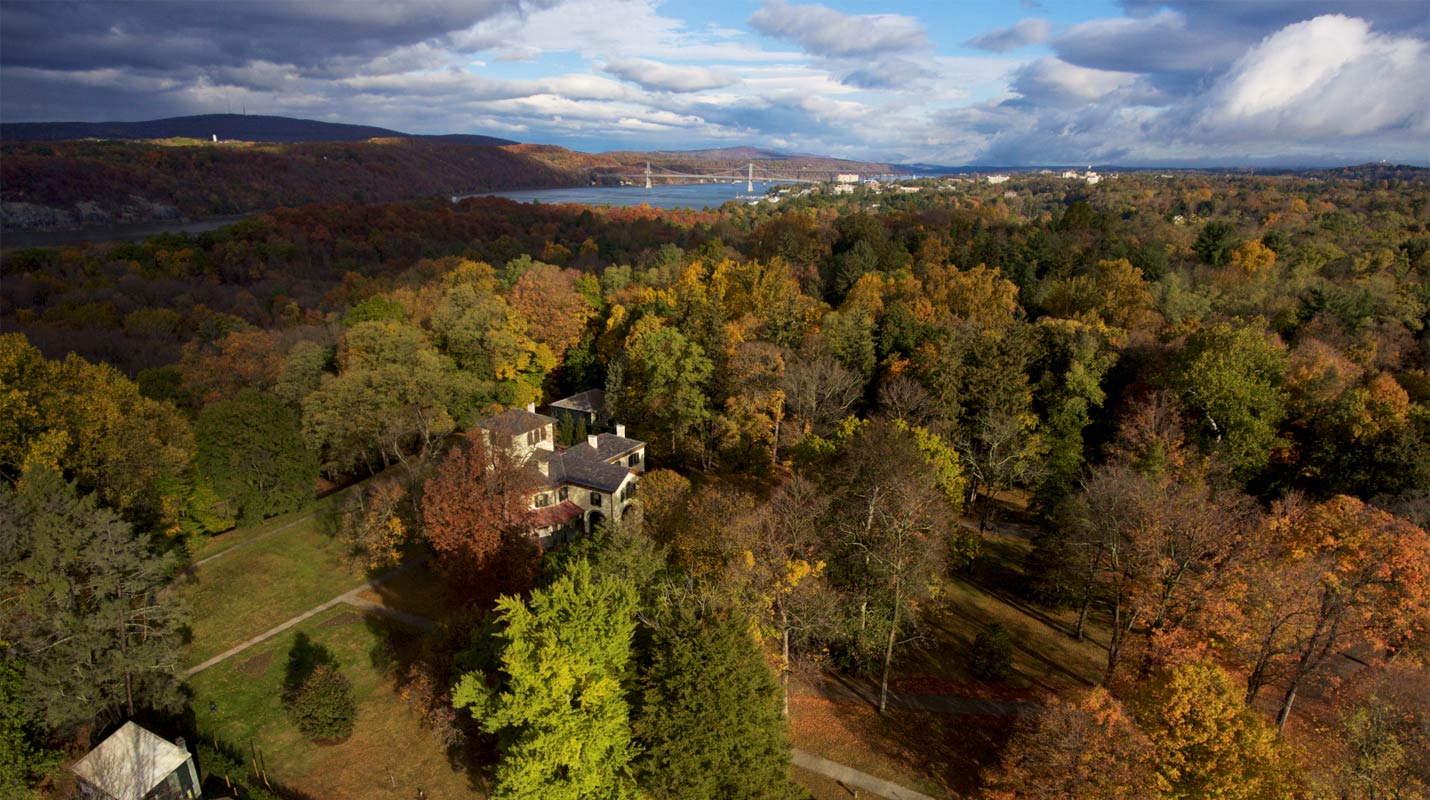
231	127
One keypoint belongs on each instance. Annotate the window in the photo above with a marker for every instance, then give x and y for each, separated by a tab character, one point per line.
543	500
561	493
635	458
596	499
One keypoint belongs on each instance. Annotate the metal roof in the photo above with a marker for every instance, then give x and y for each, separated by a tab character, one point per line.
130	763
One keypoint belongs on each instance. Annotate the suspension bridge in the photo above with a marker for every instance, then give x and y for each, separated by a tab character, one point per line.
749	175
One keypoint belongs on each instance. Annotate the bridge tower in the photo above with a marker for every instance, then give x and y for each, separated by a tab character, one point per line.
647	174
750	178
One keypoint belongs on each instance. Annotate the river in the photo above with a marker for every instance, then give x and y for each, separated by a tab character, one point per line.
137	232
688	195
676	195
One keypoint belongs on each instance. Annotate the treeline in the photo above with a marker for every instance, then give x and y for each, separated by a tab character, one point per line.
66	184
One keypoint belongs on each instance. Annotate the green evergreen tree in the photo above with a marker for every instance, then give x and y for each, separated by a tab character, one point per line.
251	449
561	716
85	612
22	760
710	722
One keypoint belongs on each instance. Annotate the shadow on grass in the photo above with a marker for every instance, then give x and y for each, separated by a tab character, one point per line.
946	750
421	666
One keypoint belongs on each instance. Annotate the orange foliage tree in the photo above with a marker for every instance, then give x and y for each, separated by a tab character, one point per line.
1086	748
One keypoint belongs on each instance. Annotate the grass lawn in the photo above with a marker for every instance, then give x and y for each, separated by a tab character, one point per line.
245	593
389	754
422	591
937	754
1045	658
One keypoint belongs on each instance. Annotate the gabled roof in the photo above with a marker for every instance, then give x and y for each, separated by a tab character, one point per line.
514	422
589	401
580	465
609	446
130	763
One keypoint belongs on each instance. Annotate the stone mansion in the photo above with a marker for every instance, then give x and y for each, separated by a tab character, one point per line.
578	487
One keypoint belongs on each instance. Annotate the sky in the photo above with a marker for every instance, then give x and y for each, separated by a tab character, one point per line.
1037	82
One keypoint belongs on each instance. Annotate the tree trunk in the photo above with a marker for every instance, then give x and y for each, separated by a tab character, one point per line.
889	655
1082	616
784	674
1286	704
124	651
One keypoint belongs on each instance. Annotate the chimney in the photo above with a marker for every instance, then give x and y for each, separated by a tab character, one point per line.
620	430
531	408
591	440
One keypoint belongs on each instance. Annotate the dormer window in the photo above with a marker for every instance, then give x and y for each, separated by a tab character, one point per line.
635	458
543	500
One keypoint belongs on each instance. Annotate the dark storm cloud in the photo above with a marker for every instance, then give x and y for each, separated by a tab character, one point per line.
1388	16
158	35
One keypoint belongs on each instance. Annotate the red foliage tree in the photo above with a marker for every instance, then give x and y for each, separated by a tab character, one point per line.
475	515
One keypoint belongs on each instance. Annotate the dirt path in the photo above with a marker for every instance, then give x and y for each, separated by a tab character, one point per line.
254	540
351	597
853	777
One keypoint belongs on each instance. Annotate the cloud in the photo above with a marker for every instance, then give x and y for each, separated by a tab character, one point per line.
1161	43
822	31
1025	32
1052	81
1323	78
661	77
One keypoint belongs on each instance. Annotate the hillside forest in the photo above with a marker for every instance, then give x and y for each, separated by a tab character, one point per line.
1201	402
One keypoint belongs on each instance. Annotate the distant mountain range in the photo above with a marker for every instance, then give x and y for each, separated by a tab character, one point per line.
58	175
230	127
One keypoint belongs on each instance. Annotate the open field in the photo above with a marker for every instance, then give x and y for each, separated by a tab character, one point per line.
389	755
247	592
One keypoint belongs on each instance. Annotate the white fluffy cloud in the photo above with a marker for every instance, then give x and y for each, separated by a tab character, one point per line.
1323	78
822	31
659	76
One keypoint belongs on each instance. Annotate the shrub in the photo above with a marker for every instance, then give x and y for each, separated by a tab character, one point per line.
992	657
322	706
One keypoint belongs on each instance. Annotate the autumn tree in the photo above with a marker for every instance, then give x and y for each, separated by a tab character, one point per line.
1205	742
1152	545
1372	573
1382	729
88	613
393	398
90	422
558	708
892	519
475	515
547	298
818	390
375	521
1086	748
783	574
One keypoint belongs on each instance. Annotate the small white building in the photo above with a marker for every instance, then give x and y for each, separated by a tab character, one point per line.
846	177
996	179
134	764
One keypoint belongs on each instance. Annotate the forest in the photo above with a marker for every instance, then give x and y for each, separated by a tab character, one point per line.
1196	405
